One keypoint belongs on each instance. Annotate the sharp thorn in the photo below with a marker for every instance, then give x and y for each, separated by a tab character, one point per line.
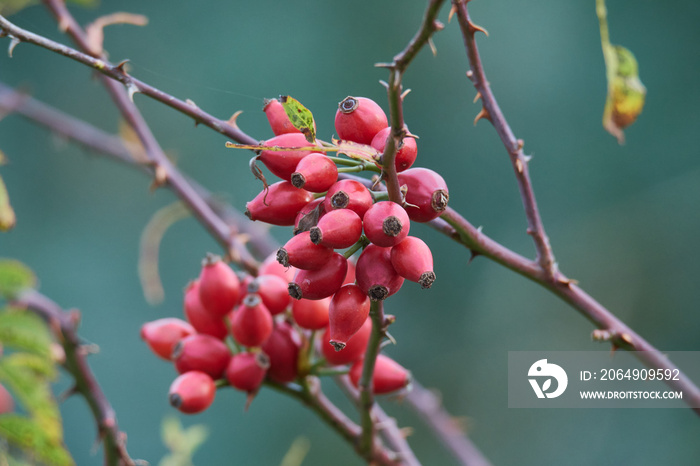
474	28
405	93
482	114
13	43
477	96
234	117
132	89
432	47
453	10
384	83
121	66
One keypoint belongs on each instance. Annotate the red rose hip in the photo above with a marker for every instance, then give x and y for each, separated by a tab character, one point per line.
277	117
201	353
338	229
348	194
273	291
311	314
192	392
284	162
354	349
315	173
375	275
163	334
413	260
320	283
251	322
388	375
302	253
406	153
283	350
359	119
219	287
279	204
201	319
246	371
386	224
427	194
347	312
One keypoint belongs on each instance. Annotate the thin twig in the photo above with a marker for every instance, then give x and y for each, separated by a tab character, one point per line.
446	428
428	27
616	332
492	112
164	169
64	325
366	386
95	139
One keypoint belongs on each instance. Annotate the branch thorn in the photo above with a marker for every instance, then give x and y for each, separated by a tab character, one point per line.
121	66
474	28
160	177
384	83
405	93
482	114
132	89
472	255
453	10
432	47
477	96
384	65
14	42
518	163
232	121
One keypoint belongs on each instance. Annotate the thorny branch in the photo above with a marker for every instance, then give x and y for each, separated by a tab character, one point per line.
64	325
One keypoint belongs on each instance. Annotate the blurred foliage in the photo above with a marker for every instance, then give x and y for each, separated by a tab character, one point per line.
182	443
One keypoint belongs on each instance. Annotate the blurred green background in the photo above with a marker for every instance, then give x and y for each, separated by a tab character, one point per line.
623	220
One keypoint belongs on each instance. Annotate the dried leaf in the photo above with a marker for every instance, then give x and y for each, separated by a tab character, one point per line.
626	93
300	116
148	249
95	30
7	213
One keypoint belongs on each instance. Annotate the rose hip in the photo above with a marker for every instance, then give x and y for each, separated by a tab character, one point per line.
337	229
251	322
284	162
406	153
200	318
277	117
386	224
270	266
315	173
354	348
273	291
192	392
413	260
320	283
163	334
219	287
375	275
359	119
201	353
302	253
283	350
279	204
348	194
427	194
311	314
246	371
347	312
388	375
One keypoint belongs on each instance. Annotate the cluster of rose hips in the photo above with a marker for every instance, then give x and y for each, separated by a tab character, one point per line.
243	329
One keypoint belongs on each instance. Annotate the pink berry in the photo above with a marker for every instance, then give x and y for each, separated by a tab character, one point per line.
388	375
406	153
427	194
201	353
359	119
163	334
277	117
279	204
320	283
315	173
338	229
192	392
311	314
284	162
347	312
302	253
246	371
354	348
251	322
219	287
348	194
201	319
283	350
413	260
375	275
273	291
386	224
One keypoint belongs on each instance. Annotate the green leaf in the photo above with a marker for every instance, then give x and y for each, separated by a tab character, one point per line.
30	436
626	93
28	376
181	442
7	214
23	330
300	116
15	277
